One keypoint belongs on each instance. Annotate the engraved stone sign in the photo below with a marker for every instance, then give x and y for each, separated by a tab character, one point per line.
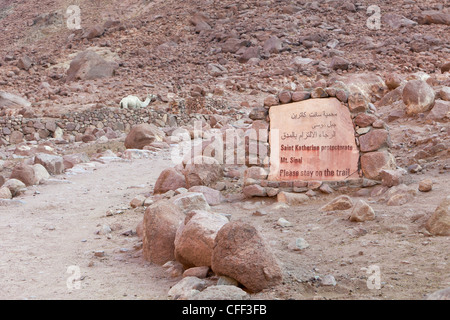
312	140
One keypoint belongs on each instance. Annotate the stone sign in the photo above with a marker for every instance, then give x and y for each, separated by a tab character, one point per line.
312	140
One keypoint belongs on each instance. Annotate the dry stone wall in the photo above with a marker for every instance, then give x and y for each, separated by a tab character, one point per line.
15	129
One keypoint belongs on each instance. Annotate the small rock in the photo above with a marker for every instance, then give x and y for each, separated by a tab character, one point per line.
138	201
425	185
362	212
199	272
298	244
186	288
343	202
328	280
292	199
282	222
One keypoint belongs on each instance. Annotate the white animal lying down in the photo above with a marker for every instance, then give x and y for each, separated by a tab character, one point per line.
133	102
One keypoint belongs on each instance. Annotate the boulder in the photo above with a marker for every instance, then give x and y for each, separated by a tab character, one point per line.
212	196
194	240
189	201
254	190
373	163
418	97
440	111
425	185
374	140
5	193
142	135
273	45
11	100
71	160
399	195
391	178
202	171
161	221
88	65
24	173
362	212
343	202
241	253
292	199
15	186
439	222
434	17
169	179
54	164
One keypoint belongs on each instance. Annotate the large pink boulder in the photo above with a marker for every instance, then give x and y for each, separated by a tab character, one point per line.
161	221
195	238
169	179
241	253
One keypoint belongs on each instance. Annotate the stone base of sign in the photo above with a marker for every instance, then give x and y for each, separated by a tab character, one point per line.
371	137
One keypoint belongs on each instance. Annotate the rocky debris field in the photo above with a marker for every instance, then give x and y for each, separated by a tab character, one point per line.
98	201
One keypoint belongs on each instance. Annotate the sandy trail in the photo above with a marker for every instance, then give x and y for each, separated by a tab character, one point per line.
55	228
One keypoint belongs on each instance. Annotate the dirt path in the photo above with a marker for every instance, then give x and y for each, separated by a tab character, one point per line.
55	229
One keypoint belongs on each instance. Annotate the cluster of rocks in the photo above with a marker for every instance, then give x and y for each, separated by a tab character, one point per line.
205	248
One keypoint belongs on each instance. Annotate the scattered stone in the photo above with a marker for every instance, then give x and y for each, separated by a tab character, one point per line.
326	189
443	294
5	193
399	195
186	288
271	101
212	196
391	178
24	173
292	199
285	96
198	272
173	269
362	212
242	254
227	281
440	111
15	186
342	202
189	201
24	63
282	222
202	171
372	163
88	65
52	163
374	140
137	201
425	185
439	222
169	179
254	190
328	280
298	244
418	97
13	101
142	135
222	292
